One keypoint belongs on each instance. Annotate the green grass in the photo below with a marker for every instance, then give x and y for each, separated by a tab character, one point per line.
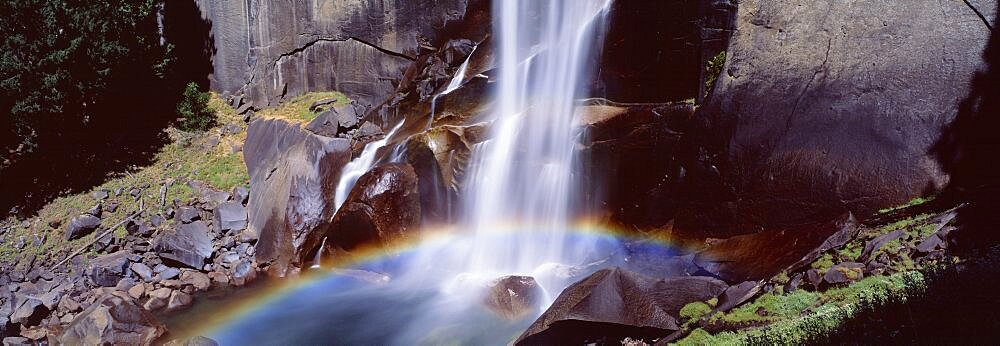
823	263
297	109
694	311
912	202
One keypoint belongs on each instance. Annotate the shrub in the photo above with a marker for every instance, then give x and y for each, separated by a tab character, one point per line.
194	110
713	70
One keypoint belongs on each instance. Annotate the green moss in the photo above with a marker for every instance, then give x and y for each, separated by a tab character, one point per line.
912	202
780	279
700	337
820	313
694	311
851	252
771	307
823	263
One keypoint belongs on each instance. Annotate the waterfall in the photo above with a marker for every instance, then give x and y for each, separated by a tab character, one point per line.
359	166
523	173
453	84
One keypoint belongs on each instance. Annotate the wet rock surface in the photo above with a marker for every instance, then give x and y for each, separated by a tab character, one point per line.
514	297
384	206
614	303
292	174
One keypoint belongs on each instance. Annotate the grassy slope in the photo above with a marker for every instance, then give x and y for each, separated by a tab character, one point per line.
182	160
803	316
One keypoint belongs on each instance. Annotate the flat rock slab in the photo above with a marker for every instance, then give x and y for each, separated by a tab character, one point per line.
188	244
230	216
81	226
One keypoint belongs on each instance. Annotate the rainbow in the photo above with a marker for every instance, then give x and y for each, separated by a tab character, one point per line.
233	311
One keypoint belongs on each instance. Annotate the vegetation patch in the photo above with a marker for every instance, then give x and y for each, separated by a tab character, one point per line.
297	109
803	316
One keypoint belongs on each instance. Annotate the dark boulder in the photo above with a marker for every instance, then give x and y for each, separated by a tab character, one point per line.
188	244
737	294
29	311
241	194
844	273
514	297
875	244
143	271
755	256
100	194
230	216
107	270
82	225
113	320
383	206
613	303
293	176
335	121
833	107
187	214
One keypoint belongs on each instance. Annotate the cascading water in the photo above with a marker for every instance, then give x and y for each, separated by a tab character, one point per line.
519	200
359	166
524	173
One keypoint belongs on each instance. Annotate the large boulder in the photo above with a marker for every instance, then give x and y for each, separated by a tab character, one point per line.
270	50
230	216
82	225
293	176
188	244
833	106
107	270
113	320
614	303
383	206
514	297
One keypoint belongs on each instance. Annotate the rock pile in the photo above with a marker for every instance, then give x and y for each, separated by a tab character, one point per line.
166	257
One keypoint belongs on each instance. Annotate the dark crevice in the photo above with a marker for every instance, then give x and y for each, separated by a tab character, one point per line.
980	14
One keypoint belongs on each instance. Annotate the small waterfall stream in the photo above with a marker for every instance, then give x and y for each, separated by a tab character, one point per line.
359	166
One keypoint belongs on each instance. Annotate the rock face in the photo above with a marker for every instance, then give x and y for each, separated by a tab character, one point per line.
383	206
293	176
268	50
834	106
614	303
188	244
752	257
113	320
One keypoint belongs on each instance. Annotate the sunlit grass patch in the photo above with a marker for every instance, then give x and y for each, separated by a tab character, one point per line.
297	109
